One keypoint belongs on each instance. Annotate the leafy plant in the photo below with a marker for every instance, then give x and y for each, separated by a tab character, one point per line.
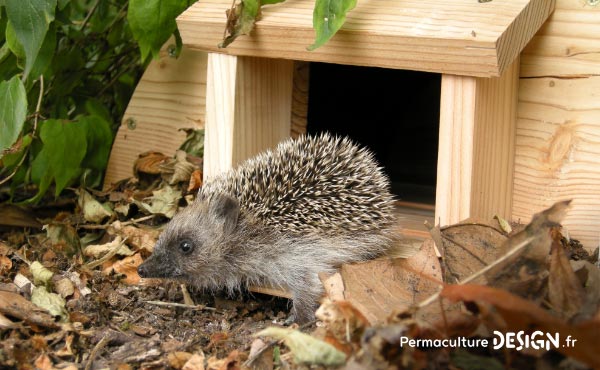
68	69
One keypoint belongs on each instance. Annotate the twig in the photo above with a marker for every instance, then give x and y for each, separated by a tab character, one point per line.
89	15
200	307
106	226
35	124
103	342
487	268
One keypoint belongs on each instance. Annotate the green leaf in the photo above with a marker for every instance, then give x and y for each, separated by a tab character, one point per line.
13	109
63	151
30	20
152	22
99	137
46	53
328	18
13	43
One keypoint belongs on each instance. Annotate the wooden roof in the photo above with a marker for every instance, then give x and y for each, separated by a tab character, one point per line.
462	37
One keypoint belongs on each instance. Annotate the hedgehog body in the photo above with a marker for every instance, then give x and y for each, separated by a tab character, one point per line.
279	219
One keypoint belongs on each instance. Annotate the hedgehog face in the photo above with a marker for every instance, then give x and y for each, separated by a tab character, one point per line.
193	246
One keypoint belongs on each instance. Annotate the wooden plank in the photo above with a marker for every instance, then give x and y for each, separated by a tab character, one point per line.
558	124
249	103
567	44
476	151
170	96
462	37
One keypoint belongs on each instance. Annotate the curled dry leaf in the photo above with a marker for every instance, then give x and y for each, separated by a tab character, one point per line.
178	359
41	275
149	163
178	169
343	321
116	246
64	287
195	181
141	239
306	349
163	201
5	265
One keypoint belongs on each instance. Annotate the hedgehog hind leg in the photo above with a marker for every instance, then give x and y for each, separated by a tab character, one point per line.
305	298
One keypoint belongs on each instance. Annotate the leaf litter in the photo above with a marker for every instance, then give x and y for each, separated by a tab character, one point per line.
70	296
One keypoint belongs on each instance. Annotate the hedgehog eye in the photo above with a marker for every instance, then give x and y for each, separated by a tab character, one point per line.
186	246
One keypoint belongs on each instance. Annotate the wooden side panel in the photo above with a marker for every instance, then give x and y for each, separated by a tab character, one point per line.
476	151
558	125
249	108
300	98
170	96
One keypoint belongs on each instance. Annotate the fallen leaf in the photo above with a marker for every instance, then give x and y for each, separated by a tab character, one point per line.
565	291
43	362
195	181
343	321
196	362
504	311
5	323
140	238
262	355
5	265
93	211
64	287
306	349
23	283
128	267
99	250
41	275
51	302
67	350
63	237
163	201
178	359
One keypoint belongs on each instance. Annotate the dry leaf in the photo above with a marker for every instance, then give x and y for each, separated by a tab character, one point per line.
504	225
139	238
41	275
43	362
5	265
99	250
149	163
128	267
178	359
195	181
565	292
306	349
264	360
504	311
93	211
64	287
51	302
5	323
343	321
163	201
196	362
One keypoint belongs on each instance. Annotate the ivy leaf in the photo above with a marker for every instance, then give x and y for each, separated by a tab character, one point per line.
60	159
153	22
13	43
328	18
30	20
13	109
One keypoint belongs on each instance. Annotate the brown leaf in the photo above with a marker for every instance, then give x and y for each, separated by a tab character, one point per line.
343	321
504	311
178	359
377	288
565	292
149	163
128	267
195	181
196	362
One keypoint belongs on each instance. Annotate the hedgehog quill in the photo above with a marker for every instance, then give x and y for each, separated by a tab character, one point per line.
280	218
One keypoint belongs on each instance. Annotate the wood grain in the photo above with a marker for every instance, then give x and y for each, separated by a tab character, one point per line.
462	37
476	151
249	105
170	96
558	125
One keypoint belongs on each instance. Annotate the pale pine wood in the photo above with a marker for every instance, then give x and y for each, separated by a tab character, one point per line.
558	125
461	37
567	44
476	151
170	96
249	103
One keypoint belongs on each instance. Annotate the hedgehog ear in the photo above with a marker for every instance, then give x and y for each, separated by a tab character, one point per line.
227	209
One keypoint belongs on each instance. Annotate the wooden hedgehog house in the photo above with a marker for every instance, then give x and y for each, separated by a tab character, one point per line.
516	132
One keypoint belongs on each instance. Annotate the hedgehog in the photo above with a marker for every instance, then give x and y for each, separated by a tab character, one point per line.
279	219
